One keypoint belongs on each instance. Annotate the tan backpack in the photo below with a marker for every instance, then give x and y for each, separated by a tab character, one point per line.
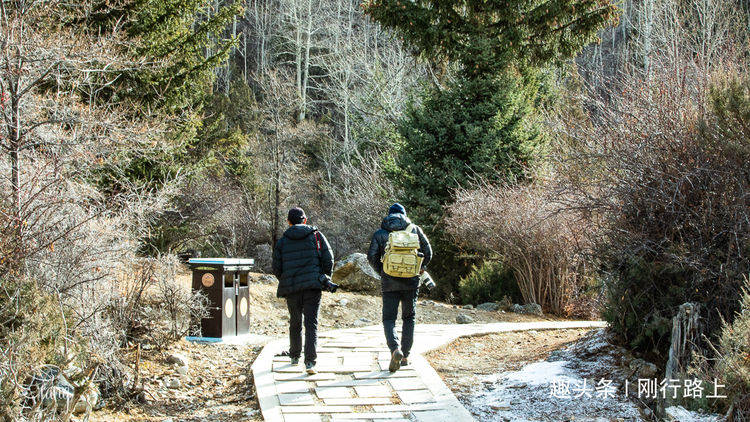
401	258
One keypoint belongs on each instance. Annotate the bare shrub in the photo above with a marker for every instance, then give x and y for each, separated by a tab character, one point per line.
152	306
352	208
530	234
664	176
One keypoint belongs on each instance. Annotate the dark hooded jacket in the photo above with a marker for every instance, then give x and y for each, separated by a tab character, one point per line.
395	222
297	263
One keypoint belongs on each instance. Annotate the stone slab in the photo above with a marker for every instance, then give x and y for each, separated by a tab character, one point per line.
279	376
373	391
360	416
432	416
407	408
300	417
316	409
343	369
385	374
292	387
357	401
407	384
333	392
296	399
416	396
349	383
287	367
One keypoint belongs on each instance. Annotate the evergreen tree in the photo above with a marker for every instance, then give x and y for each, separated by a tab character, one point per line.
476	128
486	36
183	40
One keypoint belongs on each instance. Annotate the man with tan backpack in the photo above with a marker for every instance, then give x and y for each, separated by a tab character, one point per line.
399	252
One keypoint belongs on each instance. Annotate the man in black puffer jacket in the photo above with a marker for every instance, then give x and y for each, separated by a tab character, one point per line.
299	259
397	290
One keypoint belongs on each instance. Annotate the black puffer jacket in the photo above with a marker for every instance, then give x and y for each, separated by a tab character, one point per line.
295	259
395	222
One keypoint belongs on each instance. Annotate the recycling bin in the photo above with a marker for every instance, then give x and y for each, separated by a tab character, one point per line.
225	281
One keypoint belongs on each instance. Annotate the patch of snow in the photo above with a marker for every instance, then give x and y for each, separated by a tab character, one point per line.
526	395
680	414
540	373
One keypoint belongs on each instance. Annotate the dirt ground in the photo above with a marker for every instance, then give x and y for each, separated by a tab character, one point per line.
461	362
218	385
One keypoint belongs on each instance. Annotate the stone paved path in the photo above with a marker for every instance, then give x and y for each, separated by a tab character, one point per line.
353	382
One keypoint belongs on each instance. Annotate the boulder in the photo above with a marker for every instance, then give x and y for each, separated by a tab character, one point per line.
354	273
178	359
469	306
464	319
49	385
489	306
529	308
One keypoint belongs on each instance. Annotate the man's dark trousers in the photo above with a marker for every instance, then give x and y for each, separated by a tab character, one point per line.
305	302
408	301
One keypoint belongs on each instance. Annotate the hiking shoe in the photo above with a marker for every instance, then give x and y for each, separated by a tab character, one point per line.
405	361
294	361
396	358
310	367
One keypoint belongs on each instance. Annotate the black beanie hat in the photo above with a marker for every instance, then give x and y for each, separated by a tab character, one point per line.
397	209
296	215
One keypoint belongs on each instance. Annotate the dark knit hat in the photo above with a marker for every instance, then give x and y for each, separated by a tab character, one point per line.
397	209
296	215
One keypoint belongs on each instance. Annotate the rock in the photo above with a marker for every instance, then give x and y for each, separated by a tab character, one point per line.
464	319
679	413
362	322
643	369
529	308
268	279
173	383
178	359
500	406
250	413
241	379
489	306
343	302
182	370
88	401
49	384
468	306
518	386
355	274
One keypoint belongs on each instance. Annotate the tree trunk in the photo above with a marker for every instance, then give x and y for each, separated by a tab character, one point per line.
306	71
686	332
15	174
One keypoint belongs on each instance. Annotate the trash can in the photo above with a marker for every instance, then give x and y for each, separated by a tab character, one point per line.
225	282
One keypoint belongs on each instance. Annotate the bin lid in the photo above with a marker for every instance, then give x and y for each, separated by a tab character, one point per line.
222	261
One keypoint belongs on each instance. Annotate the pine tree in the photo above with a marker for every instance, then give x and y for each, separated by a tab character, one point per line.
478	128
486	36
183	40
